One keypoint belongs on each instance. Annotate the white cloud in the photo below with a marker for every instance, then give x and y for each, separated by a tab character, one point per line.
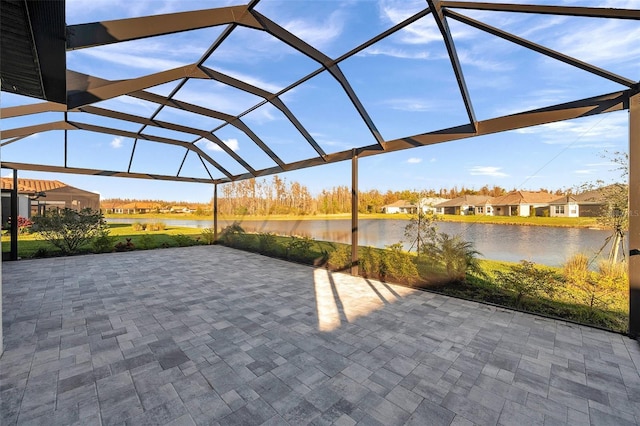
252	80
396	53
594	132
217	96
414	160
116	142
487	171
318	34
584	172
469	58
605	42
134	59
212	146
411	105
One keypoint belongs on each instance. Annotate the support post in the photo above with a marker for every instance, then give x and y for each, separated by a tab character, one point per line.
215	212
354	212
634	216
13	255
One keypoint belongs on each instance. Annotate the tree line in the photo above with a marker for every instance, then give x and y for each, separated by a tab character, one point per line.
280	196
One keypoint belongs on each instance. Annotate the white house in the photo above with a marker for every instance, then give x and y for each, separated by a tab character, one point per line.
430	204
400	206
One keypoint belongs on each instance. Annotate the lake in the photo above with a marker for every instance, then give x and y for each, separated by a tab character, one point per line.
540	244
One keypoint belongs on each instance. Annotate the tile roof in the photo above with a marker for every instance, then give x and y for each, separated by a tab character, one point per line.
465	200
33	185
523	197
400	203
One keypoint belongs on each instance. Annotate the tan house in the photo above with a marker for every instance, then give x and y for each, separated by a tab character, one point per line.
466	205
51	194
138	207
522	203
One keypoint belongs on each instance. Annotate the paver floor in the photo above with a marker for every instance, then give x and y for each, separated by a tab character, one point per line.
210	335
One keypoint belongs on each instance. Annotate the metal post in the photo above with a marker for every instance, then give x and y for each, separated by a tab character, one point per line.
354	213
634	216
13	255
215	212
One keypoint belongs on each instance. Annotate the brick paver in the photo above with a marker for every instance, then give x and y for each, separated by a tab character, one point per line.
211	335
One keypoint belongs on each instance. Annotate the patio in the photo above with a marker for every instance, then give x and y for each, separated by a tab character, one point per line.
211	335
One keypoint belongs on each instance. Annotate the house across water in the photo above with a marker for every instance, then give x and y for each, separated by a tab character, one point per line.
35	196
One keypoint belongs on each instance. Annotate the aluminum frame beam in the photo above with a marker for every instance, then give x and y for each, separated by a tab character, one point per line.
107	32
592	12
634	216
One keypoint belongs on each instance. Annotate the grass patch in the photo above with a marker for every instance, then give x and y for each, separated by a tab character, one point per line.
173	236
576	222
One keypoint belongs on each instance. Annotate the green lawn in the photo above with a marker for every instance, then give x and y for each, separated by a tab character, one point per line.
581	222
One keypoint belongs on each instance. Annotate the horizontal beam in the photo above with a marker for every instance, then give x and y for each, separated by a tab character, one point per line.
94	172
107	32
36	128
21	110
582	108
84	89
593	12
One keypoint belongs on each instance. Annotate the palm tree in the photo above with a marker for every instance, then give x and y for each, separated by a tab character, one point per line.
456	255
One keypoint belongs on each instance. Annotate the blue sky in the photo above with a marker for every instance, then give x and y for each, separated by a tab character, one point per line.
405	82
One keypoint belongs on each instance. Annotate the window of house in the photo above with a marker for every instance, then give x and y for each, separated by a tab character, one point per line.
559	209
480	210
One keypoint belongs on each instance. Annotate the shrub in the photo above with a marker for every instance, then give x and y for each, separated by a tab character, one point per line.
102	243
146	242
456	255
398	264
125	246
68	229
527	279
299	247
137	226
208	235
594	289
41	252
156	226
267	243
340	257
183	240
370	263
230	235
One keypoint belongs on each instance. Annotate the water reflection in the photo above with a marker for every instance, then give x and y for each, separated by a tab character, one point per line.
540	244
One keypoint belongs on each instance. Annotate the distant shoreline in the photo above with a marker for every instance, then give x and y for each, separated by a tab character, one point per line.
562	222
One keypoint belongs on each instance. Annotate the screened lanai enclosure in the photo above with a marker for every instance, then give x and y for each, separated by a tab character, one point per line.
250	89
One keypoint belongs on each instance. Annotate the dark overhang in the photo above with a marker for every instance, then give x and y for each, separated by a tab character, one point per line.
32	45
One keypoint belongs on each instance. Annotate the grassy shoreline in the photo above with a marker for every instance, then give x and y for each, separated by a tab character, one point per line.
563	222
